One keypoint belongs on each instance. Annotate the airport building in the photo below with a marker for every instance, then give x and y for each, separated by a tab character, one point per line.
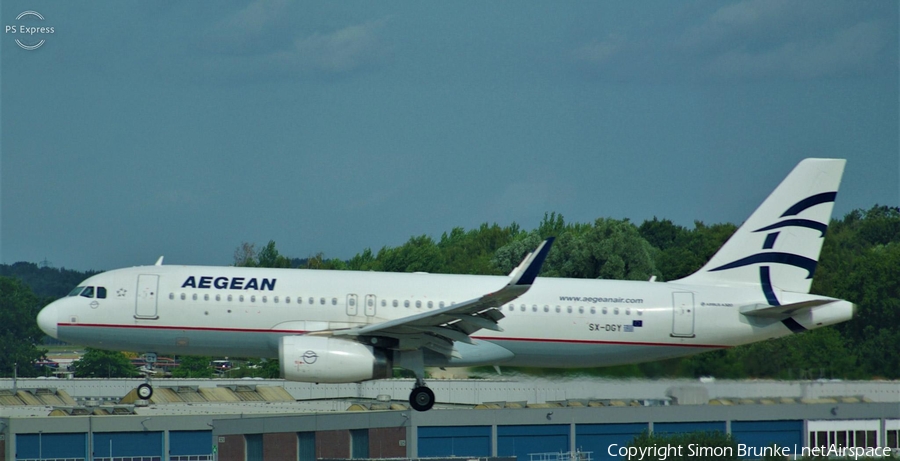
200	420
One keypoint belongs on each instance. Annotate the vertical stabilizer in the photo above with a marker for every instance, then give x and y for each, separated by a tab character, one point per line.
778	246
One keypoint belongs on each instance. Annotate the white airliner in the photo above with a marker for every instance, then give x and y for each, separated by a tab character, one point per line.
345	326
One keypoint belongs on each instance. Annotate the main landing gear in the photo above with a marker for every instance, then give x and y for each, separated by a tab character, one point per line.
421	398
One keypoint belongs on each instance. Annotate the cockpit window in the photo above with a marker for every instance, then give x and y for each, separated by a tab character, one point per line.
88	292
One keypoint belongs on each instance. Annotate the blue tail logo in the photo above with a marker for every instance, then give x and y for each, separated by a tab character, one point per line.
790	259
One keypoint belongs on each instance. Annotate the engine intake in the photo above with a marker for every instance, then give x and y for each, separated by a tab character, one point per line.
324	359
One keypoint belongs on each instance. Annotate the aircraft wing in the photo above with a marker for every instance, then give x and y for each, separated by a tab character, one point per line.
438	329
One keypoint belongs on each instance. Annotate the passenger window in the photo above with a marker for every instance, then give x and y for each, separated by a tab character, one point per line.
194	297
275	299
88	292
628	311
206	297
334	301
229	298
171	295
581	309
522	308
511	308
312	301
322	301
383	303
441	304
394	303
546	308
418	304
604	311
406	303
430	304
264	299
569	309
183	297
352	302
241	298
287	300
593	310
616	311
101	292
253	298
558	310
218	297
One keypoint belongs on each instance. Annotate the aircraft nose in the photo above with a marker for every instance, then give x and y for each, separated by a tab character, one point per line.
47	319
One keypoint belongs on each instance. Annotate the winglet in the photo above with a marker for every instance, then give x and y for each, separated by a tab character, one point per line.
159	261
530	267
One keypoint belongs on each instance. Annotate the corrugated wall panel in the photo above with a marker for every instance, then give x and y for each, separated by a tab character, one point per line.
306	446
144	444
522	441
454	441
34	446
597	438
763	434
254	447
190	443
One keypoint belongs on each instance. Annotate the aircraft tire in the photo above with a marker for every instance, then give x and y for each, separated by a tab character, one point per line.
145	391
421	398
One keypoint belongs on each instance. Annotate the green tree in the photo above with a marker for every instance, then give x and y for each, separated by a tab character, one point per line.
19	333
269	257
245	255
193	367
419	254
97	363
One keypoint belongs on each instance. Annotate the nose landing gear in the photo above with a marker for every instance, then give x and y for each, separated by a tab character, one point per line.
145	391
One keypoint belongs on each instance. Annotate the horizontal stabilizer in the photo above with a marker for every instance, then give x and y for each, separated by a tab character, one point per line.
779	312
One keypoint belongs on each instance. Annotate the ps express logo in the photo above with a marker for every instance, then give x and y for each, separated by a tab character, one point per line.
29	30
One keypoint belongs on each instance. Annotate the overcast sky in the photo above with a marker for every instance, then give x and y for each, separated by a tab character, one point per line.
141	129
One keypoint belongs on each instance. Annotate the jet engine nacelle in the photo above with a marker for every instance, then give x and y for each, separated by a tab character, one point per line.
324	359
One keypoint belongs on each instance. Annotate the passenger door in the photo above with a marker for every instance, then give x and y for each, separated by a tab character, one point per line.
683	314
145	304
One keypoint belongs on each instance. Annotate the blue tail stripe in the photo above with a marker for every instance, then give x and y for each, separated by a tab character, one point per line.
810	202
815	225
766	281
773	257
793	325
770	241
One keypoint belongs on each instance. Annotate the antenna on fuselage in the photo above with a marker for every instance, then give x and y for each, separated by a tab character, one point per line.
159	261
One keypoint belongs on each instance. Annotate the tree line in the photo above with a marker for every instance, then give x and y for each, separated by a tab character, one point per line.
860	262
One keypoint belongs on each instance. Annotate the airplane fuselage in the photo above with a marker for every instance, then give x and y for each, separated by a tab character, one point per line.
243	312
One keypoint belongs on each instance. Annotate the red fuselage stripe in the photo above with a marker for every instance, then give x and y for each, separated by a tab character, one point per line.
482	338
